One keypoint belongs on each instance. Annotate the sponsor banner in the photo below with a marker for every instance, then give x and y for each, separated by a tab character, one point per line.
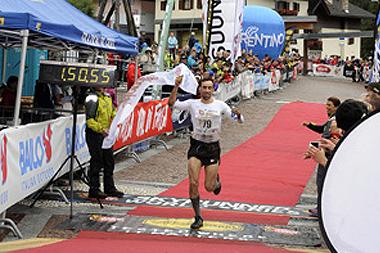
215	205
295	73
226	19
230	231
148	119
366	73
204	17
176	202
274	83
261	82
34	154
375	77
227	91
327	70
247	86
263	32
125	109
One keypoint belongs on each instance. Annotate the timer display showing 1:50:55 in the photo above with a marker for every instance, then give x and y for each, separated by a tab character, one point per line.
85	75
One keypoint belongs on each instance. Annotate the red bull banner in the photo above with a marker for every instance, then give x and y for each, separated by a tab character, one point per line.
32	154
148	119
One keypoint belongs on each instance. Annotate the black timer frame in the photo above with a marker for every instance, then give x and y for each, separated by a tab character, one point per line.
75	85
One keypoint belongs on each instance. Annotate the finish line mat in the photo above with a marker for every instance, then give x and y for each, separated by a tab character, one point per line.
232	231
170	202
267	169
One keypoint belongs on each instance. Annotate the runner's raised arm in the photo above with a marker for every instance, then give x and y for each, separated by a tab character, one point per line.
173	94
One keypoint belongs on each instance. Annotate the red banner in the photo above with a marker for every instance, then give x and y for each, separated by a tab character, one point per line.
148	119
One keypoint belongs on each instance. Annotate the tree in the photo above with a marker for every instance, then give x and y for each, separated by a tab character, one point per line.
86	6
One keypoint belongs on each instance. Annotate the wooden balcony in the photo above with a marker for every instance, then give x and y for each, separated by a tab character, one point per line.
287	12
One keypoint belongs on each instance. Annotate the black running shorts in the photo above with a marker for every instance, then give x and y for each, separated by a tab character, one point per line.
207	153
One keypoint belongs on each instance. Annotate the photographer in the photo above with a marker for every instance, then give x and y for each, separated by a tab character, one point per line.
347	115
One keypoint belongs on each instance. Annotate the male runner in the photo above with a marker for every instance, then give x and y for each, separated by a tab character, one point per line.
206	117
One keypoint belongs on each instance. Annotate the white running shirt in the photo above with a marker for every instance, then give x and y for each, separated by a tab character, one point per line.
206	118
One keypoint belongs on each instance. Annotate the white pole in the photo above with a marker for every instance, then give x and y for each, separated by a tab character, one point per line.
4	70
157	90
25	35
164	34
136	68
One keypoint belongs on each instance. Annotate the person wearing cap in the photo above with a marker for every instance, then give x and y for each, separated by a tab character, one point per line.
373	96
183	59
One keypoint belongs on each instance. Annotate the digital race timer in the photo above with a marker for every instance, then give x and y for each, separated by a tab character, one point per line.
81	74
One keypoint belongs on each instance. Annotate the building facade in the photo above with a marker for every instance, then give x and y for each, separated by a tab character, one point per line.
304	16
338	16
186	18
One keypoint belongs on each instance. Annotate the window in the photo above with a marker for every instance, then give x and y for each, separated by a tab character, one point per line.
185	4
351	41
314	44
163	5
296	6
282	5
199	4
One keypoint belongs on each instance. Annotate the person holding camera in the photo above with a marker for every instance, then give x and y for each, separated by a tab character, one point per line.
346	116
325	130
206	117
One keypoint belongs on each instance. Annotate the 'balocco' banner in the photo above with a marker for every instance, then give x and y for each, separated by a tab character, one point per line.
30	155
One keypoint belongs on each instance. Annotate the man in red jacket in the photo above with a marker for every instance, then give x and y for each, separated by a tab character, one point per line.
131	73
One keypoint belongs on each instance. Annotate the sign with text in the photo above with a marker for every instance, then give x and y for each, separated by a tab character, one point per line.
125	109
148	119
82	74
34	154
224	26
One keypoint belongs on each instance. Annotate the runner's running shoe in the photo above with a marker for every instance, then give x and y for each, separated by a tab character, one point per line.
218	187
198	223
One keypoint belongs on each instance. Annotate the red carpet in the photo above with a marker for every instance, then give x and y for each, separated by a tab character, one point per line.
99	242
266	169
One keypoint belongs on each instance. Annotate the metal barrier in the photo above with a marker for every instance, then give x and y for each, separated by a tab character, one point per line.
30	115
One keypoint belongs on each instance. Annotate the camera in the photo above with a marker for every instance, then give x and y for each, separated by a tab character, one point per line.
315	144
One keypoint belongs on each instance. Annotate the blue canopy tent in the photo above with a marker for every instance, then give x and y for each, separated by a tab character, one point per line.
55	25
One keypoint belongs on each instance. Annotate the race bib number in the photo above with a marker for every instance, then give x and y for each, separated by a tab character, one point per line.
207	123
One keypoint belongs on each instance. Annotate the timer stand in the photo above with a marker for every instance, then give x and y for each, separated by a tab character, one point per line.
75	75
70	158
